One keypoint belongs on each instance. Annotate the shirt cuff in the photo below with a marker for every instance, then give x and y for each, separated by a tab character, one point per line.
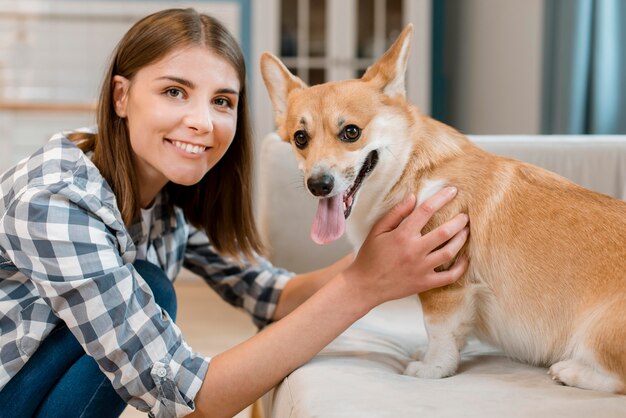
177	384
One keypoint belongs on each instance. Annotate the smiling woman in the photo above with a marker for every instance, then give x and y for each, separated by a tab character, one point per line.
162	66
135	189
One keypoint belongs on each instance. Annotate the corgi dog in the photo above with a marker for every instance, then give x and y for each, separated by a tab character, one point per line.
546	281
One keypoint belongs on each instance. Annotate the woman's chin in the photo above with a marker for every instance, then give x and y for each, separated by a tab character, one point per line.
186	180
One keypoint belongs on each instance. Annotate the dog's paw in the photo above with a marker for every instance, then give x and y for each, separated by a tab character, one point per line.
427	370
579	374
565	372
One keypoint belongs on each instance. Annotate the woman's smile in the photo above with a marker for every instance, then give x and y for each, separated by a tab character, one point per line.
188	149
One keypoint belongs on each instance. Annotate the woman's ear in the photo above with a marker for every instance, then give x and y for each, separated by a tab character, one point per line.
120	95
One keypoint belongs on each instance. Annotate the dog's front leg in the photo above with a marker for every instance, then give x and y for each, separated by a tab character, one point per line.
449	317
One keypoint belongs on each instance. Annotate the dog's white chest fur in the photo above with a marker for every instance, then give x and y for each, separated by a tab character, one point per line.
372	206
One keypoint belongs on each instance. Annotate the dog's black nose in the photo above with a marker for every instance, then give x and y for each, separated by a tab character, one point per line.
322	185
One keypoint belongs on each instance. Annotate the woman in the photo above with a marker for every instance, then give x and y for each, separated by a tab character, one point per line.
96	225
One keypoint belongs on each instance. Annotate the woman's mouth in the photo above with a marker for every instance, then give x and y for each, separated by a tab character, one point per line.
188	147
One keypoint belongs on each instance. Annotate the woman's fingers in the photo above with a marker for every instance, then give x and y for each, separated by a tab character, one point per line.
422	214
395	216
444	232
447	253
446	277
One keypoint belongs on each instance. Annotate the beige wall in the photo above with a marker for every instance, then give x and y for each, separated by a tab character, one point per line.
496	88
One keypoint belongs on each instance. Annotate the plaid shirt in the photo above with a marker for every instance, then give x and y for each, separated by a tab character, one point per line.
66	256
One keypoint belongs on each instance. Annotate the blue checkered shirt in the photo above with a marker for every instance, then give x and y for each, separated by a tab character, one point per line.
66	256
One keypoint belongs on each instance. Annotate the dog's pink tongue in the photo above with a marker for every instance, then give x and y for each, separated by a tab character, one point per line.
329	223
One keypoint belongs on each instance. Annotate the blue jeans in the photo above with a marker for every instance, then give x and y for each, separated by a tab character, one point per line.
60	380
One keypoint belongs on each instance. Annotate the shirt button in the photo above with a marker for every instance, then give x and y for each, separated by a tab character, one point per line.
161	372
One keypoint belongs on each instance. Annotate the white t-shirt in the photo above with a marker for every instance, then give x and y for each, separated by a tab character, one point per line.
146	225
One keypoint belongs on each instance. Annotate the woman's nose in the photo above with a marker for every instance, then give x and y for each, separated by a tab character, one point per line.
199	118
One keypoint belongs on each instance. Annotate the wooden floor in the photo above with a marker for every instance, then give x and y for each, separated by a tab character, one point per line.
209	325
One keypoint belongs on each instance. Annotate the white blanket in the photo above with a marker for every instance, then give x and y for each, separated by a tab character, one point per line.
359	375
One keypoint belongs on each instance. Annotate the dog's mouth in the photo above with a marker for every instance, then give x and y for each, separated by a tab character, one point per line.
332	212
368	166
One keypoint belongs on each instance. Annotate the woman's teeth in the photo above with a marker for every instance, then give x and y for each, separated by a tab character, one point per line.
192	149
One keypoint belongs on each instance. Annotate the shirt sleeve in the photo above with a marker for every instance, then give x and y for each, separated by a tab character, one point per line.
74	249
254	285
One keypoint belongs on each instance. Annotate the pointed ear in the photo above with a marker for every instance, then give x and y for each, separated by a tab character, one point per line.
279	82
389	71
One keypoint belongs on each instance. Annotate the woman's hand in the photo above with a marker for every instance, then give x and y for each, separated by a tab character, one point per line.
396	260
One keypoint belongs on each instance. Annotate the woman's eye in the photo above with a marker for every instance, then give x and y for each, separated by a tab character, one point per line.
350	133
223	102
300	138
175	93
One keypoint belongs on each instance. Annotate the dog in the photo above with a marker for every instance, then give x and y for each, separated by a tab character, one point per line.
546	281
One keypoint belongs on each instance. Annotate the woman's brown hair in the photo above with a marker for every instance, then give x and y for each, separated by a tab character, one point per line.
220	204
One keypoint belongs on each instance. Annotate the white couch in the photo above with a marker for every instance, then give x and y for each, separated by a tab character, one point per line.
360	373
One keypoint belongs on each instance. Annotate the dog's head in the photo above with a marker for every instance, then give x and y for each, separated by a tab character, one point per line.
341	132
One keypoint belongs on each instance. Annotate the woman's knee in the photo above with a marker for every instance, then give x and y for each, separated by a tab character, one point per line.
161	286
83	391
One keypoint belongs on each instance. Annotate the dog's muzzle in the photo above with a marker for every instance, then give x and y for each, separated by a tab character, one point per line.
322	185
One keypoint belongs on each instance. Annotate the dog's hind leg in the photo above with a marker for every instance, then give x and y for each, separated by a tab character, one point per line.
448	316
598	352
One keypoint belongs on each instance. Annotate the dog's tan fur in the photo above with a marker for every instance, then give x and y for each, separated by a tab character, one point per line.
547	275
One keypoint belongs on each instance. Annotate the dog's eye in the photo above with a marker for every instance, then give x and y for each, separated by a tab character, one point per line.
350	133
300	138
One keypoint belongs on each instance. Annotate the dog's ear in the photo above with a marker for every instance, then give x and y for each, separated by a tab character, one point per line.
279	82
389	71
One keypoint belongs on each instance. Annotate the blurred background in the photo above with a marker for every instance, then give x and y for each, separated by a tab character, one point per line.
483	66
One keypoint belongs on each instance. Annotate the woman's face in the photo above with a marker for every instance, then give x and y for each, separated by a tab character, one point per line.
181	113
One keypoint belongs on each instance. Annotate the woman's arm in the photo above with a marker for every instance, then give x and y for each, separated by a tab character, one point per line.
302	286
395	261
